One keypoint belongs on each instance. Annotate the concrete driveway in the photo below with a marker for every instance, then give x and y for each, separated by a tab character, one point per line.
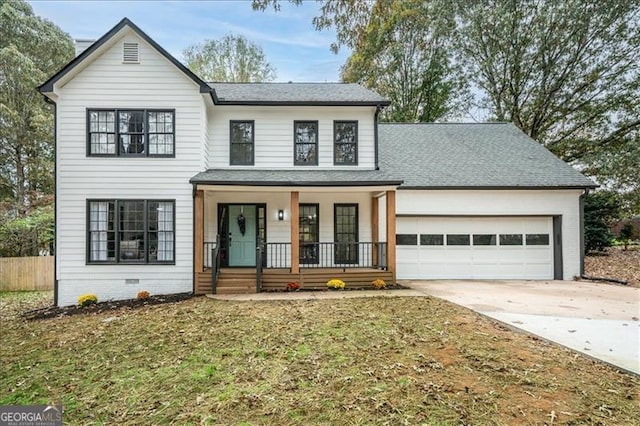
599	320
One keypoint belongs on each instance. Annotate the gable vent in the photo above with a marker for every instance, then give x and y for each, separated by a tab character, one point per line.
130	53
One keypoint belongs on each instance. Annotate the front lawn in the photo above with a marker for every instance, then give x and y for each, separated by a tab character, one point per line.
352	361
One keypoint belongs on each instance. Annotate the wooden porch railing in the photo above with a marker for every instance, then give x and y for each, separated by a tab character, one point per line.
215	267
208	247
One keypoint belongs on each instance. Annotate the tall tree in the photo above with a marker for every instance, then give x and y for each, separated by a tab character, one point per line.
31	49
403	54
230	59
566	73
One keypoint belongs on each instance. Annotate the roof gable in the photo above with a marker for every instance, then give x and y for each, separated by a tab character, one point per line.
48	86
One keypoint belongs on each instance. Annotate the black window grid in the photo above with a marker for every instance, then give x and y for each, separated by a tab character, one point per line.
141	223
129	140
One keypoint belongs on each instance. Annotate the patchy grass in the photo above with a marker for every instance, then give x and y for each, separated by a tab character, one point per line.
351	361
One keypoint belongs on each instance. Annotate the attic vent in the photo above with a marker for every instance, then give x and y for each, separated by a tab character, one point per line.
130	53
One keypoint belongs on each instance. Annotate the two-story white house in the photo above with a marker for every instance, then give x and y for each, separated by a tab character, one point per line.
170	184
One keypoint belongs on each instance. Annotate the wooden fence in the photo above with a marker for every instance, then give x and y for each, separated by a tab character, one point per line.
26	273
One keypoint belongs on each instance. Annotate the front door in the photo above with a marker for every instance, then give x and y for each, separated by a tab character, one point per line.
242	235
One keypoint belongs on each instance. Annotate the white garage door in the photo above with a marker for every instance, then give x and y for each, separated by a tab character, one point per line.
474	247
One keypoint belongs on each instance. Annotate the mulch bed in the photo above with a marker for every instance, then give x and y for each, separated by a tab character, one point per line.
315	289
54	311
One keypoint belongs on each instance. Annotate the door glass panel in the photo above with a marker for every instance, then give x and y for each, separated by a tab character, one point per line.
431	239
537	239
458	240
346	234
484	240
406	239
309	233
510	239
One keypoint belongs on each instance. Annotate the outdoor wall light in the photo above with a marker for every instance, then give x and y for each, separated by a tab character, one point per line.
280	214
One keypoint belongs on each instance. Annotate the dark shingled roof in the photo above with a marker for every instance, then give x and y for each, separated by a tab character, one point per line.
295	177
295	94
433	156
493	155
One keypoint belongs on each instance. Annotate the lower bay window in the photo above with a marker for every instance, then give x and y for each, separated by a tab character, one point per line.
131	231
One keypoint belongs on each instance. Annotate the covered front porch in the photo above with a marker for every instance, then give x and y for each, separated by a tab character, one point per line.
258	237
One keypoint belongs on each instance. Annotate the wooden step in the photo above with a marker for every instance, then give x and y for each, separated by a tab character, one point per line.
236	290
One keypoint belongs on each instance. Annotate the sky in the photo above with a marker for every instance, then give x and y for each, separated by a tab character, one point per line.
290	43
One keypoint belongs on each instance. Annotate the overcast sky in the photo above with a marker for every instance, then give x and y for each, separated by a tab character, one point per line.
297	51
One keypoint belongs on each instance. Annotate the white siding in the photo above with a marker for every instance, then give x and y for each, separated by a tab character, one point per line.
108	83
562	203
274	133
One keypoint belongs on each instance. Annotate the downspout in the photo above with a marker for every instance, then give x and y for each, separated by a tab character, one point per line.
193	238
375	135
55	199
581	224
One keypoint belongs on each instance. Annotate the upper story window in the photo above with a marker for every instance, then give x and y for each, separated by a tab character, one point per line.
345	143
242	141
113	132
305	136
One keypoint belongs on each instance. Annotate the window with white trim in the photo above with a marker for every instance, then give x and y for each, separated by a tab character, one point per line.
130	231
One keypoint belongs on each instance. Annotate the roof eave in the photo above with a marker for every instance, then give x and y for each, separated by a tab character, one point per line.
499	187
294	184
302	103
48	86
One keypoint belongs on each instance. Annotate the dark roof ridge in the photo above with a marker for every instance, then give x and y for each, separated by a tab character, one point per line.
448	123
279	82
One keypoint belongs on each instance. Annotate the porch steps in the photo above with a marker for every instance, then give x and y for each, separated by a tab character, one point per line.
230	281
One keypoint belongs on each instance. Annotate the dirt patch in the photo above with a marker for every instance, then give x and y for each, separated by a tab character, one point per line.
615	263
109	306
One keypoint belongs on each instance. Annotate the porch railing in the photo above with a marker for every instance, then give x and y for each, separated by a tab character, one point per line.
328	255
208	247
215	268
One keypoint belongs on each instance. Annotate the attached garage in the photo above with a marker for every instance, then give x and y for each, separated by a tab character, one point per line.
481	201
437	247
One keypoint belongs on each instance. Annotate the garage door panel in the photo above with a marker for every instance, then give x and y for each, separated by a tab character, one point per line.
476	261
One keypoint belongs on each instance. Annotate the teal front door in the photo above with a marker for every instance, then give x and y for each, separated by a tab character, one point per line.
242	235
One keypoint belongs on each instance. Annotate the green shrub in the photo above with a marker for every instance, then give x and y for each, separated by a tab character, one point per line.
601	208
627	233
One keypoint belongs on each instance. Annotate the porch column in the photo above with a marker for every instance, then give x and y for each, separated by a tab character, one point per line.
391	232
295	232
374	230
198	224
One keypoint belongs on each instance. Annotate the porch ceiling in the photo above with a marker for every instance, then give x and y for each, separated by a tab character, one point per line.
285	179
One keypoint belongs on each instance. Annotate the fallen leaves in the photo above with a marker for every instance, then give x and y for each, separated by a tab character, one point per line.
352	361
616	263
